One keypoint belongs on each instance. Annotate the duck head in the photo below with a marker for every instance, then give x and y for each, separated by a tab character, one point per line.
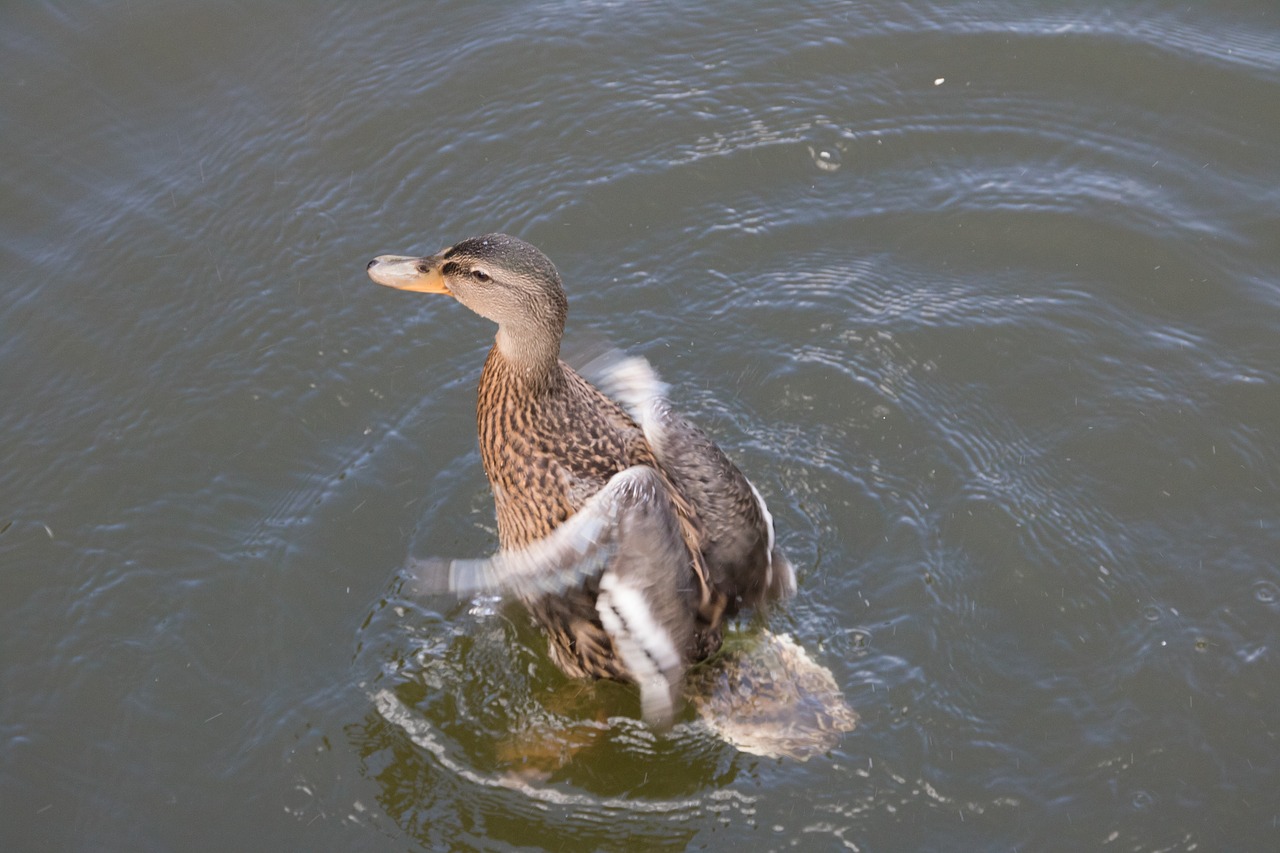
497	276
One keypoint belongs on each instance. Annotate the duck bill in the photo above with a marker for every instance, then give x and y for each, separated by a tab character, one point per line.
407	273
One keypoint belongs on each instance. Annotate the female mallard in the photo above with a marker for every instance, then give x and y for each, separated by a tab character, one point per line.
628	533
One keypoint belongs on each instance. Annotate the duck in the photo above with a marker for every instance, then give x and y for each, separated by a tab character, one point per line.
623	528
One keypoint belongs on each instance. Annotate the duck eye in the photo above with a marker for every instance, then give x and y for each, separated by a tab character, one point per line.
480	275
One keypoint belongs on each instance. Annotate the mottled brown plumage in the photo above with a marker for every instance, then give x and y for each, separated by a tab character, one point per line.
549	442
626	531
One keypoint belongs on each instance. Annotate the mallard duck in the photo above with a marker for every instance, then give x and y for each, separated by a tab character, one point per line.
625	530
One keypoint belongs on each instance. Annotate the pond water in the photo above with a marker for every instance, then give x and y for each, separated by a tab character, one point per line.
985	298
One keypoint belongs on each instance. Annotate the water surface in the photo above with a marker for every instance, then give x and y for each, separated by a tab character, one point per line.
984	299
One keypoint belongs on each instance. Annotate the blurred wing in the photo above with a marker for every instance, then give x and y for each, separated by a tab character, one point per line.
577	550
738	536
629	535
629	380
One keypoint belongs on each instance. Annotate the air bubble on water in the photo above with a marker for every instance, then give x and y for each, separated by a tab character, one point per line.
827	157
859	639
1141	799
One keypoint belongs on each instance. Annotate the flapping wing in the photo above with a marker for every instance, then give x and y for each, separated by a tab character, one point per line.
629	536
738	536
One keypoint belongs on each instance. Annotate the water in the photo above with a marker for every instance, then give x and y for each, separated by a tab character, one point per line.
983	298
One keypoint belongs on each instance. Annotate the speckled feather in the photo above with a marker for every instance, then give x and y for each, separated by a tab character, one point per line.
548	444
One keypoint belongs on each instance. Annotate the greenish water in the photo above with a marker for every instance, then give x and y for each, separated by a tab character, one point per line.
983	297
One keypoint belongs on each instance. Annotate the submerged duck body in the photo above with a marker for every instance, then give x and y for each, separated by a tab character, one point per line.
624	529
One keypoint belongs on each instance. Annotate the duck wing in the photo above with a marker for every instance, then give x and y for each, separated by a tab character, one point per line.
737	537
627	540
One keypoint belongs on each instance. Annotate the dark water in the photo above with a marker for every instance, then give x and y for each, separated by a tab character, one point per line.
985	297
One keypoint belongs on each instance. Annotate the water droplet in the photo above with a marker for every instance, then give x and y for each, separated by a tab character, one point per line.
1151	613
825	157
1266	592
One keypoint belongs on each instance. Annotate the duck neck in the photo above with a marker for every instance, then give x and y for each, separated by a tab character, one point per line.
531	355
